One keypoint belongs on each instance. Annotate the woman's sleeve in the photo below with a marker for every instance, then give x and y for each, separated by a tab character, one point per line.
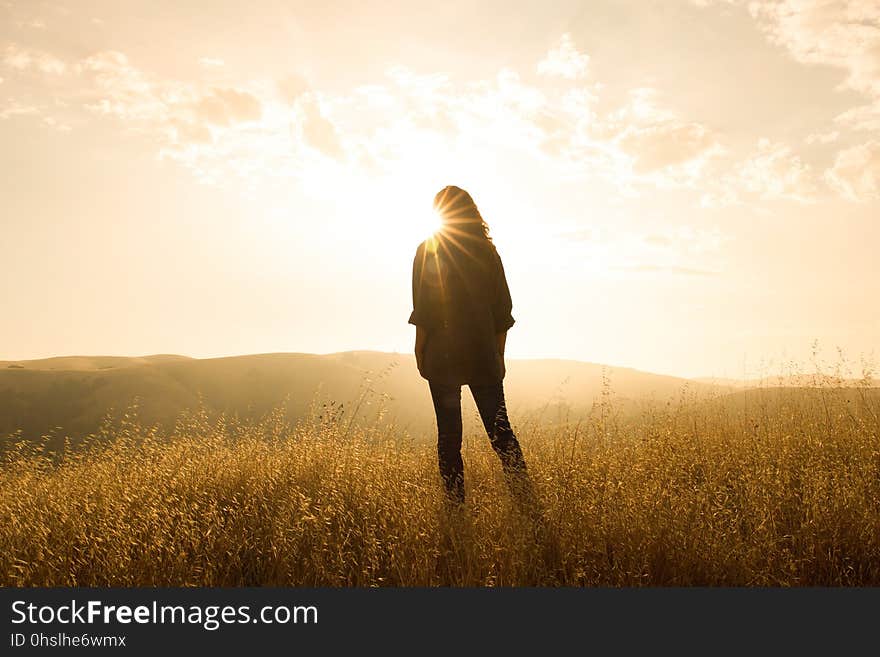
419	315
503	305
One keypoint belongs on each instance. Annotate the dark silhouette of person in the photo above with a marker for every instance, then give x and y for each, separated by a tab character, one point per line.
462	312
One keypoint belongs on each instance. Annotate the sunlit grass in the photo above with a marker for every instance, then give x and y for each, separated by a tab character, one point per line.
784	490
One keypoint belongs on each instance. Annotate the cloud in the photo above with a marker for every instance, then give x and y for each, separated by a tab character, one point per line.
863	117
290	87
686	241
52	122
211	62
316	130
776	173
640	142
665	145
822	137
34	24
856	172
565	61
120	89
123	90
182	113
567	123
843	33
682	250
771	172
190	132
653	144
22	59
642	108
224	107
14	108
667	269
406	116
429	103
110	62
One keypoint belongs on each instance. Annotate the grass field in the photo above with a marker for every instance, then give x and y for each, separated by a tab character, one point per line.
773	487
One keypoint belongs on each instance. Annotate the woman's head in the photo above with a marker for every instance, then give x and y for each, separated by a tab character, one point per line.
459	213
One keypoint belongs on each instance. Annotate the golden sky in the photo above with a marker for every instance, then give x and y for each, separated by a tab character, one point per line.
681	187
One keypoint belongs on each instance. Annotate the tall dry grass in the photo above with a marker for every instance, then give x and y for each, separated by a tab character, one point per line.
777	488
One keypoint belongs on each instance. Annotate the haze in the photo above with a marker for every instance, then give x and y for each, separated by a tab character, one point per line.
688	188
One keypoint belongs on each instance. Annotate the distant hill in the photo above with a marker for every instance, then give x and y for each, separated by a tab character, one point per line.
70	395
800	401
87	363
790	381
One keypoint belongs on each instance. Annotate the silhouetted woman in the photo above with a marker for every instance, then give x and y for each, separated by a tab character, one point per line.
462	311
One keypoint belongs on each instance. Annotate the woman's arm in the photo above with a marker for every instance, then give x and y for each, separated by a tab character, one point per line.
502	340
501	304
421	341
421	310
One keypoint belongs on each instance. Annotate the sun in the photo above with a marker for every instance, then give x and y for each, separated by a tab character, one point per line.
408	217
431	222
386	217
412	223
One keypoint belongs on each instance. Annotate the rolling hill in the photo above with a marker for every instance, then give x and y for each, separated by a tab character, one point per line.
69	396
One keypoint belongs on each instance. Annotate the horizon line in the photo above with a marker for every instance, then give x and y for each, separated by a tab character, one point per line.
7	362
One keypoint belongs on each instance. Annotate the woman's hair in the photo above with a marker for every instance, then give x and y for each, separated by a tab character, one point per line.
459	213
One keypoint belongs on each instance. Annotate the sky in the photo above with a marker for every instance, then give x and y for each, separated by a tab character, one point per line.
684	187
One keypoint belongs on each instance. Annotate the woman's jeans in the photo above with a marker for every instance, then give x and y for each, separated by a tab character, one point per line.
493	412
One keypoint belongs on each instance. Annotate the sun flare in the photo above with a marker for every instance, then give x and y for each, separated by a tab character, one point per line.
431	222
